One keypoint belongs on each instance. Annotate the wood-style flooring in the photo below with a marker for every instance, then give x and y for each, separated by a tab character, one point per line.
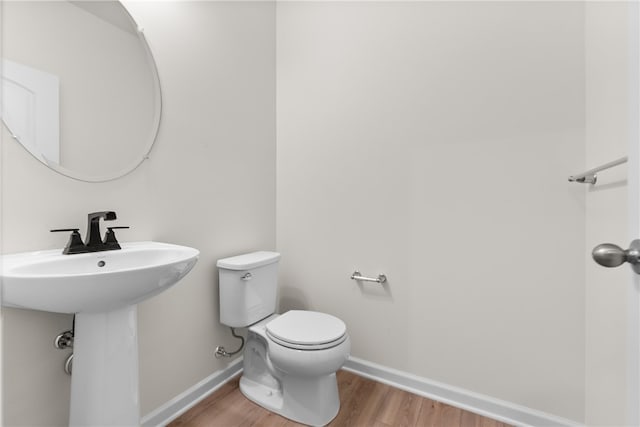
363	403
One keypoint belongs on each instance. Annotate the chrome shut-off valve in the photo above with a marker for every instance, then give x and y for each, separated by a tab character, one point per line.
610	255
64	340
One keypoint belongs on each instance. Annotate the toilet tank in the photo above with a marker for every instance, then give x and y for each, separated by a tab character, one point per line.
248	288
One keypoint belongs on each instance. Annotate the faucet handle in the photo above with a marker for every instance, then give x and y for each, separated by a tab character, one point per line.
75	244
110	237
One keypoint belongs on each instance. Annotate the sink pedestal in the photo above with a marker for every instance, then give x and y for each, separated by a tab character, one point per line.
104	383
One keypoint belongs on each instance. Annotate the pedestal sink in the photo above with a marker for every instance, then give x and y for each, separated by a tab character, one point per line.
102	289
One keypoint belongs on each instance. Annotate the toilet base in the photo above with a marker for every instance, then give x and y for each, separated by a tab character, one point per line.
314	403
299	385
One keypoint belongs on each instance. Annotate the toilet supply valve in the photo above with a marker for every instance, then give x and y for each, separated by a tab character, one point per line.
221	352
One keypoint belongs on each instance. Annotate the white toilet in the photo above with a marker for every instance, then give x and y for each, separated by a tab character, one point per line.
290	360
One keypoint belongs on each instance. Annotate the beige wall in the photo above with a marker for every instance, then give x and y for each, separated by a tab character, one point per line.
210	184
607	138
431	141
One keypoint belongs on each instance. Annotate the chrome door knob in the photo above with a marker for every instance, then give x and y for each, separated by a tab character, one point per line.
610	255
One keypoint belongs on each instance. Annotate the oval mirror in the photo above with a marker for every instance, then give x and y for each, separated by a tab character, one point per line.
80	88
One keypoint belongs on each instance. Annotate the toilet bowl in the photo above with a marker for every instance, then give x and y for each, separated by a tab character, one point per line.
292	378
290	360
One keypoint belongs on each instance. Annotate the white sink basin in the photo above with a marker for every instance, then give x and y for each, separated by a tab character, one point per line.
102	288
93	282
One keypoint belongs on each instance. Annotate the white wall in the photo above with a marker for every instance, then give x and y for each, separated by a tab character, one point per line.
607	134
431	141
210	184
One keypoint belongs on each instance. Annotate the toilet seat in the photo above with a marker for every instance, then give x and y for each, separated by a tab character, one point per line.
307	330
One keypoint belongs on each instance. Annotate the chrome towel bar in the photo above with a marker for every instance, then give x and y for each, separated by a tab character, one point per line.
590	177
358	276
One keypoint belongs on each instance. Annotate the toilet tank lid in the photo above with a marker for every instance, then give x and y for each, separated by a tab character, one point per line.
248	261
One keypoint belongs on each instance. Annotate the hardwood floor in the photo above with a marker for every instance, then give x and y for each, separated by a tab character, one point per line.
363	403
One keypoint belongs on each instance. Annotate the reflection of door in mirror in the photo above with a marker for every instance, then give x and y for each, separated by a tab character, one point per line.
30	109
109	95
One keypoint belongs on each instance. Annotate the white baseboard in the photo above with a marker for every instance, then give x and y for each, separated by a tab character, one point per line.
189	398
473	402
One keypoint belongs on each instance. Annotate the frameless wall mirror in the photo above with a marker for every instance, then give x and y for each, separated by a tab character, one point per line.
80	89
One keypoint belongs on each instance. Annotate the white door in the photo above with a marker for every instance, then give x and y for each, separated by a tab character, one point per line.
633	352
612	296
30	109
633	364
